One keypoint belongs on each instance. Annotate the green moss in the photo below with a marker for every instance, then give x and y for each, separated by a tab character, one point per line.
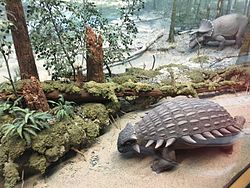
56	136
6	87
92	129
38	162
186	89
199	85
113	107
196	75
212	86
124	78
3	159
50	86
106	90
76	131
14	146
53	142
171	65
138	87
227	82
97	112
54	153
169	90
200	59
11	175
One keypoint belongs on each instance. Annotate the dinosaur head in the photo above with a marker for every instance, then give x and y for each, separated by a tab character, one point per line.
198	36
127	140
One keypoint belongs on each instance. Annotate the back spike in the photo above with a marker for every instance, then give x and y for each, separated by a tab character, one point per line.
149	143
159	143
170	141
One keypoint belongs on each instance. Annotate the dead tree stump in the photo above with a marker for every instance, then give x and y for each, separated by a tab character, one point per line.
94	56
34	95
243	57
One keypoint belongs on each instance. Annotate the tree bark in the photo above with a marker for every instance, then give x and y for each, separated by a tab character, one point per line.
229	6
198	11
34	95
172	25
219	10
243	56
246	7
94	56
23	48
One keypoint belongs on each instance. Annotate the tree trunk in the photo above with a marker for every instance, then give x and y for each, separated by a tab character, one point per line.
172	25
21	39
94	56
234	5
34	95
248	9
219	9
245	7
208	11
229	6
243	57
197	11
154	4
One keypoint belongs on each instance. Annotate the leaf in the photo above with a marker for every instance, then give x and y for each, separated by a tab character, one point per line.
30	131
9	130
34	127
27	116
53	102
20	130
27	137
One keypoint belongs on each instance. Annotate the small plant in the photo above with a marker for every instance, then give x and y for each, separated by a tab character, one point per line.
7	106
63	109
26	123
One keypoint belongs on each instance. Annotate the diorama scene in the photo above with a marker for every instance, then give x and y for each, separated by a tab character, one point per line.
124	93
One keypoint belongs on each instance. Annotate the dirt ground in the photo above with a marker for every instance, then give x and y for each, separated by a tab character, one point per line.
106	168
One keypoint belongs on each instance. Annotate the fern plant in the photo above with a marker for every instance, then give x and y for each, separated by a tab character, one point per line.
6	107
62	109
26	124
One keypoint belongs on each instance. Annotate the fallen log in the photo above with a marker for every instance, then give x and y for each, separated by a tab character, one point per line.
104	93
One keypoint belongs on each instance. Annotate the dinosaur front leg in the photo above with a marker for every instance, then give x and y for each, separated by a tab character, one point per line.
165	162
221	41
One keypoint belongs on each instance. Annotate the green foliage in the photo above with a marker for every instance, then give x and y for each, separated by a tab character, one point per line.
63	109
7	106
5	25
60	38
26	124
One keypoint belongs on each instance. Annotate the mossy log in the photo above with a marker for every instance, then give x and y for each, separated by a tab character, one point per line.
85	96
192	89
231	79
